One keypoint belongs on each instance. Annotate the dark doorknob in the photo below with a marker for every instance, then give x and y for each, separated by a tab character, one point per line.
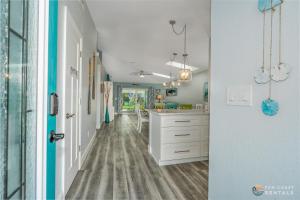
55	136
68	115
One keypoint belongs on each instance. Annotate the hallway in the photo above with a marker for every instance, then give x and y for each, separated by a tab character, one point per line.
120	167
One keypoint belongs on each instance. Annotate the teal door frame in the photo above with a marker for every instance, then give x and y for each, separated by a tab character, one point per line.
52	77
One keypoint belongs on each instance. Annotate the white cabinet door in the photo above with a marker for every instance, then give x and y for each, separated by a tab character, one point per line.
180	134
184	120
180	151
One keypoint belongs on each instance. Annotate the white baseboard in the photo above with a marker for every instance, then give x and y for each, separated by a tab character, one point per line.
177	161
60	196
180	161
88	149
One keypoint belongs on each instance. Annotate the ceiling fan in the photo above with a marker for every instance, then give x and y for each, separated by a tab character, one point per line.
141	73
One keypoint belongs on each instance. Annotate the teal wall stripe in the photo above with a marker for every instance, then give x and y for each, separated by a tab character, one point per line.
52	69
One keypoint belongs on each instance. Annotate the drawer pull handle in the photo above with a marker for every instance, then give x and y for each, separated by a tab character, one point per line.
184	121
186	151
182	135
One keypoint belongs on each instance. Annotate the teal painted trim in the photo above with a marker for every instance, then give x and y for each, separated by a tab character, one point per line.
52	69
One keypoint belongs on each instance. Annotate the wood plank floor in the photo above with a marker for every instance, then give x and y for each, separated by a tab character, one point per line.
120	167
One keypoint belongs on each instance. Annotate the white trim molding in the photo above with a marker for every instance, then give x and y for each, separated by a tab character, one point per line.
84	155
42	79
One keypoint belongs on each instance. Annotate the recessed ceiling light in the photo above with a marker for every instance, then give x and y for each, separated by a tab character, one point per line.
161	75
180	65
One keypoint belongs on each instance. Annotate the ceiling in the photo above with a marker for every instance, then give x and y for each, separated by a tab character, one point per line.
135	35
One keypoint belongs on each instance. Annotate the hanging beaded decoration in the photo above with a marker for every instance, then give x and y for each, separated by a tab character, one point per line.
269	106
262	75
280	72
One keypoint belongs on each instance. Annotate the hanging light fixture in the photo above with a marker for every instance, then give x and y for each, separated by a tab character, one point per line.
172	83
184	74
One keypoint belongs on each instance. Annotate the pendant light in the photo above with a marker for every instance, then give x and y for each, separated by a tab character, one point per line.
184	74
173	83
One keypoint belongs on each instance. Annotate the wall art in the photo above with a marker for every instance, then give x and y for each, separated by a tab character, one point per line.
93	76
205	91
89	89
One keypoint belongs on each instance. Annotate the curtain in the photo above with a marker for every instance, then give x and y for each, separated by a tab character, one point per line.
151	98
118	102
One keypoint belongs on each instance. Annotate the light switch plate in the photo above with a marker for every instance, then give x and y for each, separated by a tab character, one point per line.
241	95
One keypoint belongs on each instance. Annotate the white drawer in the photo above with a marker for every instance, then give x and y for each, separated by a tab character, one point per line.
180	151
180	134
184	120
184	134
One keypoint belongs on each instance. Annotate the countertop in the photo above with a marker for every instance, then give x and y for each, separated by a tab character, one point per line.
177	112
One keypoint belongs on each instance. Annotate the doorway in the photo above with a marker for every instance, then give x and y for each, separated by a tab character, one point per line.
68	151
131	97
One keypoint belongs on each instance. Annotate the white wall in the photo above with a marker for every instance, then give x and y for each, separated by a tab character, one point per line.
191	92
247	147
84	22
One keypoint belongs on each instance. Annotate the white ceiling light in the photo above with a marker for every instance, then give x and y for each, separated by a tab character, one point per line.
181	65
161	75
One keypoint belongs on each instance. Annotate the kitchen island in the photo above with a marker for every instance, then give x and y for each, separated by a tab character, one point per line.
178	136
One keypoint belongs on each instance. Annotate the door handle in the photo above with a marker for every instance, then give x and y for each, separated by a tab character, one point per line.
182	135
185	151
54	137
68	115
183	121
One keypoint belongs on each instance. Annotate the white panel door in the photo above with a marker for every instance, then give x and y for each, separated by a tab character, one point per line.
71	104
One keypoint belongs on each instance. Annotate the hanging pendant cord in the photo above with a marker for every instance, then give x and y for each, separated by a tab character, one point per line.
271	41
264	33
280	32
184	48
184	44
178	33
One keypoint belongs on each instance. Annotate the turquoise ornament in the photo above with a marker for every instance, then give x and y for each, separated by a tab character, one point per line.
270	107
264	5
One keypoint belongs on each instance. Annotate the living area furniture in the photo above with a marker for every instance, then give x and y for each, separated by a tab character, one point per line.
159	105
186	106
141	120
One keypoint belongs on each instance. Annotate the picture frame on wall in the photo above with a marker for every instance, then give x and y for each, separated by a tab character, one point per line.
205	91
93	76
171	92
89	89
